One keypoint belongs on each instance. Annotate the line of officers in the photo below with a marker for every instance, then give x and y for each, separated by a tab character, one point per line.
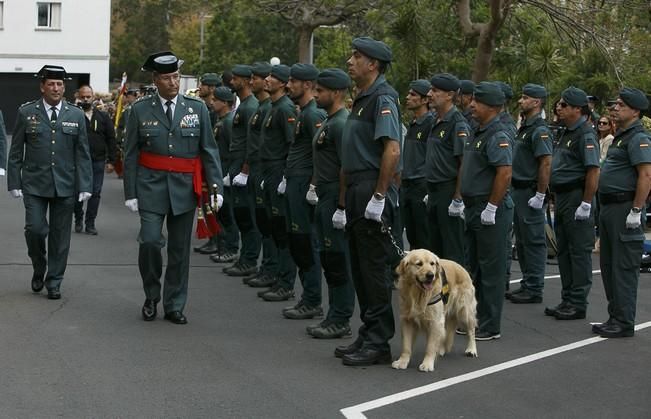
316	188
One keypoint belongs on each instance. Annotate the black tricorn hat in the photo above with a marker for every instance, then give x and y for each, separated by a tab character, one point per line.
162	62
53	72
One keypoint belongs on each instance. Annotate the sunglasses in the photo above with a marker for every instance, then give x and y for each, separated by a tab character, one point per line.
604	123
562	104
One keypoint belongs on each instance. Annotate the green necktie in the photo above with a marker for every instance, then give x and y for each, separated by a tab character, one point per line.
53	116
168	112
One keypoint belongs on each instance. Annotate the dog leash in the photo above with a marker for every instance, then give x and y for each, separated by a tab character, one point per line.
387	230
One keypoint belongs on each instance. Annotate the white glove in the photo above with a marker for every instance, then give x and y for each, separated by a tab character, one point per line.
339	219
227	180
582	213
84	196
633	220
216	203
16	193
2	172
282	186
262	185
310	196
456	207
426	199
537	201
132	204
374	209
240	179
488	215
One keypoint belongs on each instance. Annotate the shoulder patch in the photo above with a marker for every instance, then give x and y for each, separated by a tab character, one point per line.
589	146
644	145
385	111
503	144
141	98
29	103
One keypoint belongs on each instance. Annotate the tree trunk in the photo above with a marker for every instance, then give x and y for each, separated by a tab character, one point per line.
485	48
305	44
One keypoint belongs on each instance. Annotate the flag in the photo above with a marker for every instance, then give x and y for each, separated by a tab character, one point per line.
121	92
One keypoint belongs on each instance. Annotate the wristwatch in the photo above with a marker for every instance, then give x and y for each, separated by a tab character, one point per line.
378	196
636	210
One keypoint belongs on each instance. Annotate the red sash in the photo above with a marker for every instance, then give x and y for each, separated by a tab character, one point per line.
176	165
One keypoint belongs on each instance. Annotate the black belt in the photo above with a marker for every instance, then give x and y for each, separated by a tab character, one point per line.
616	197
361	175
524	184
469	201
568	187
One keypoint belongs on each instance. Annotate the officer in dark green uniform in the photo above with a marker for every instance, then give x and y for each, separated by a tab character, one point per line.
370	159
532	157
3	146
623	188
207	85
243	195
443	170
488	207
413	187
278	130
228	240
575	176
331	91
464	99
169	139
300	212
49	160
267	275
505	116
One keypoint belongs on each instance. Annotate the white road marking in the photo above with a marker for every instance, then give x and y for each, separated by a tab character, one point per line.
357	411
514	281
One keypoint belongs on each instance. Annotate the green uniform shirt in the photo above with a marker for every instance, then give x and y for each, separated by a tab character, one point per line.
534	140
490	148
415	147
445	145
299	160
577	149
223	132
327	146
241	119
631	147
3	142
374	117
509	124
278	130
254	136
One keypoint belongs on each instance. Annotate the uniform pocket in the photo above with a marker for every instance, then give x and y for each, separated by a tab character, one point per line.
149	132
190	138
69	130
632	247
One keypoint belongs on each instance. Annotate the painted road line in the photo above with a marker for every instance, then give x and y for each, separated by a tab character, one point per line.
513	281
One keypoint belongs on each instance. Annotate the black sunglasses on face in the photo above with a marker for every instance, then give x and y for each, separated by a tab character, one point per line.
562	104
603	123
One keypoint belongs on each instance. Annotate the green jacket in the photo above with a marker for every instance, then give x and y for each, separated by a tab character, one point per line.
189	136
49	160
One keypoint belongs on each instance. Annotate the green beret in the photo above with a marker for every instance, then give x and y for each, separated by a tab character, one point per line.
489	93
224	93
446	82
210	79
467	87
261	69
421	87
373	49
634	98
305	72
334	79
534	90
241	70
506	89
281	72
162	62
574	96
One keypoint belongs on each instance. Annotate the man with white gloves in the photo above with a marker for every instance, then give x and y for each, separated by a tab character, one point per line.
49	160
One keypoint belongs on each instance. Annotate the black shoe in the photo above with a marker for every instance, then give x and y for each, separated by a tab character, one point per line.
263	281
226	257
509	294
332	331
614	330
365	357
597	327
79	227
340	351
149	310
176	317
257	274
37	282
91	230
241	269
279	294
551	311
207	249
481	335
569	313
525	297
53	294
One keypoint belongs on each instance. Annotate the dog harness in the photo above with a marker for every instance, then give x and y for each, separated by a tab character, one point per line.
445	291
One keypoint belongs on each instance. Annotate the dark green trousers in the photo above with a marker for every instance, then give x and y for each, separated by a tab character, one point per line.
269	263
529	226
413	212
575	243
446	233
487	259
244	212
620	257
50	261
150	259
334	255
229	236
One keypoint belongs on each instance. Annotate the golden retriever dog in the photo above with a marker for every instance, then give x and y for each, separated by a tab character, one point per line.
437	309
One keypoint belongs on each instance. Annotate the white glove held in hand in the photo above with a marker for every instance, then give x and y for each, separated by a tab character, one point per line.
537	201
456	207
16	193
84	196
227	180
218	202
132	204
488	215
310	196
2	172
582	213
633	220
240	179
282	186
374	209
339	219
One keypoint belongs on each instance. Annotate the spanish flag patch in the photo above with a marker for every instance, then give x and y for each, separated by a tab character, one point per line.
503	144
544	136
589	146
318	125
462	134
644	145
291	120
385	112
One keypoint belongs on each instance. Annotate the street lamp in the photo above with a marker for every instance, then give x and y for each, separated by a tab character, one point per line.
202	18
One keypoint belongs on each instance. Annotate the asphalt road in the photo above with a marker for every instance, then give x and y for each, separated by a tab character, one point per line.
90	354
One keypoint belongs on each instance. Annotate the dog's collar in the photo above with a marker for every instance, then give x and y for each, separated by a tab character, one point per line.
445	291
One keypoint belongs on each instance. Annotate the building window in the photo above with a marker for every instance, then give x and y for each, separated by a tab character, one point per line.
2	14
49	15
